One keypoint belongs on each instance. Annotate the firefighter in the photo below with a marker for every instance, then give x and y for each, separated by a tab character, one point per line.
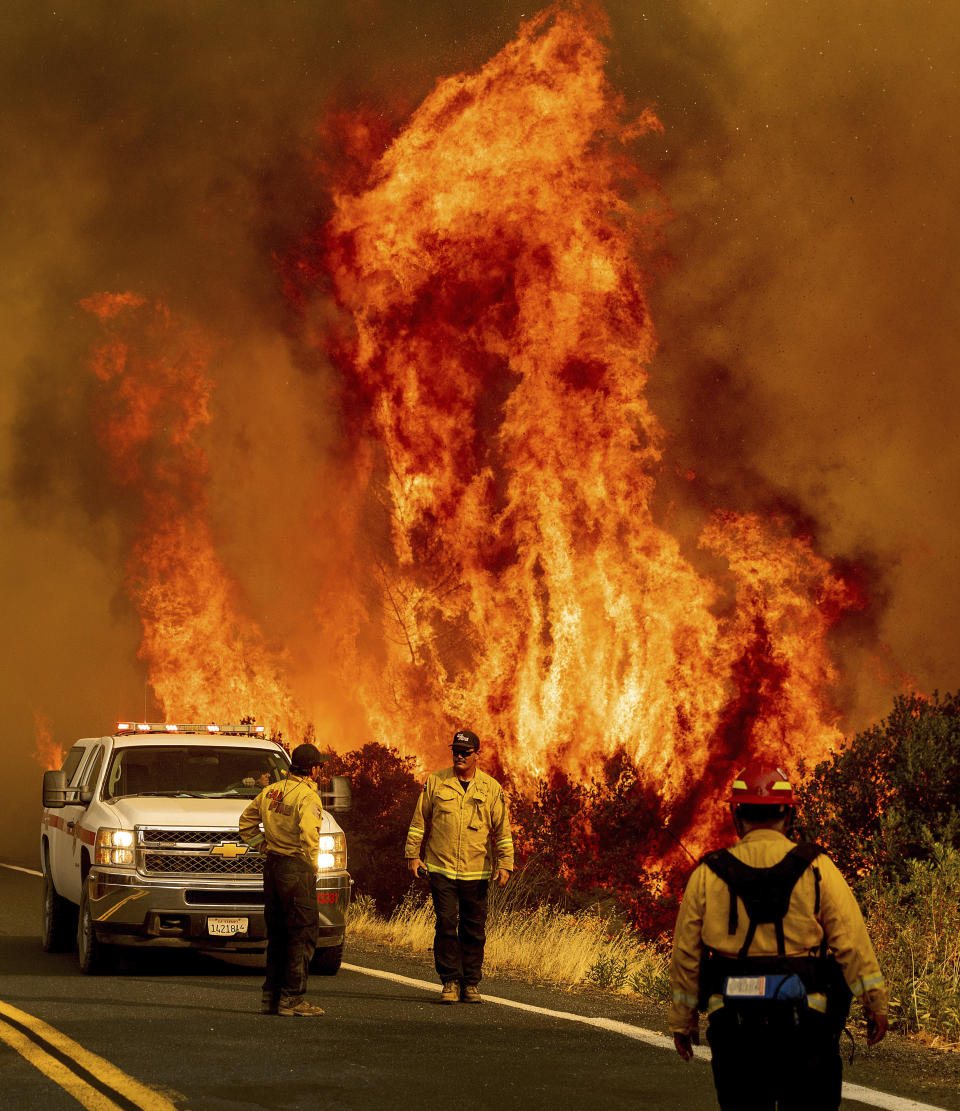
290	813
771	944
469	842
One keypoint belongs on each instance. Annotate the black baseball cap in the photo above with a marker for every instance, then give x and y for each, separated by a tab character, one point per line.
463	738
304	757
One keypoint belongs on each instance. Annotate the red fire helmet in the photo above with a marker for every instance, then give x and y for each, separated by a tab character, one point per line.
763	784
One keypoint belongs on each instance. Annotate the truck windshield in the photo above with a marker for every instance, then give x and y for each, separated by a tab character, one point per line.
192	771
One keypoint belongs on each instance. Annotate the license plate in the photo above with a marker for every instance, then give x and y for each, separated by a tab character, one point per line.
746	987
227	927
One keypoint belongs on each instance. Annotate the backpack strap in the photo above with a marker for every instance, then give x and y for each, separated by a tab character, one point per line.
765	892
723	863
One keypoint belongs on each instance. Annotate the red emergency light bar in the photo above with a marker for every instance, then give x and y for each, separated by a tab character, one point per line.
169	727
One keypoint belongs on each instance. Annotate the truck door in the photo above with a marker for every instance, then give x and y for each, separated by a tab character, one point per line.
65	846
54	822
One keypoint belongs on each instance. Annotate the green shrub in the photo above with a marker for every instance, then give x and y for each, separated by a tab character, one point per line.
650	977
608	972
890	792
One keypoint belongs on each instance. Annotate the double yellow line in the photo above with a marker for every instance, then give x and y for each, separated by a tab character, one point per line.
93	1082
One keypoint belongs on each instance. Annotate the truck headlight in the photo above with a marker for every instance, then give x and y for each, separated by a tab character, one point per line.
113	846
333	852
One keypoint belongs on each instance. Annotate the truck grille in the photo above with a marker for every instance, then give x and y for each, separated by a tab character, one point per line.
195	852
193	864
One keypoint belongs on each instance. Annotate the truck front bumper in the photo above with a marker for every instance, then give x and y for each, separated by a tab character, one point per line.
131	909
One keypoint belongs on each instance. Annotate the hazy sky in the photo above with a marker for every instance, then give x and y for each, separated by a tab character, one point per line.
806	309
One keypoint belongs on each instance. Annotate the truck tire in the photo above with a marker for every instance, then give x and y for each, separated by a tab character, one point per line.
95	957
326	962
58	917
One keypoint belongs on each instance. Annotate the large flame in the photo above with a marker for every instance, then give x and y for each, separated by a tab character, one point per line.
498	563
502	340
207	660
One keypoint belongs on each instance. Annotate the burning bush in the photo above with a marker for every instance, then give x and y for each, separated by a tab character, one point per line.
384	794
579	844
887	798
589	844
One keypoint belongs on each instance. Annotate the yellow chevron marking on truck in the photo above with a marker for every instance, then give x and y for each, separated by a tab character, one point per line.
116	906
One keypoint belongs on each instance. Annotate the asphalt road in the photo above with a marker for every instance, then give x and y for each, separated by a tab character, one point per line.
172	1030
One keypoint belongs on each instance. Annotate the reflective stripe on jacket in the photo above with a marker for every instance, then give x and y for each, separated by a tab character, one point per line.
703	921
469	831
291	815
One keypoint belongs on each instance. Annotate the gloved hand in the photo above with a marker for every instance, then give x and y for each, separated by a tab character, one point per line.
876	1028
683	1043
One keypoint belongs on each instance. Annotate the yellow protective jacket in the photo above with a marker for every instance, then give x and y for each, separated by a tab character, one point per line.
703	921
291	814
469	836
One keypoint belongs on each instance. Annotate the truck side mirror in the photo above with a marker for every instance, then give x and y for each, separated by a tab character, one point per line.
339	797
55	789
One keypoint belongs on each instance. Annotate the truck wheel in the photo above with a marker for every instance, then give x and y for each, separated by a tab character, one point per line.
95	957
58	918
326	962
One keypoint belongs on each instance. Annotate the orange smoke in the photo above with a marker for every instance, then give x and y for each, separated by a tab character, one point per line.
207	661
500	348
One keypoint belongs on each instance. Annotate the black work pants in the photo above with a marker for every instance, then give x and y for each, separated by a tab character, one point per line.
461	908
290	909
779	1061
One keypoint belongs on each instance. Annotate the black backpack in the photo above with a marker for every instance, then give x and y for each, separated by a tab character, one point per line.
766	893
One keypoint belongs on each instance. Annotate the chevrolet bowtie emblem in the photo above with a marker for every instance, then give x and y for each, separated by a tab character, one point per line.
229	848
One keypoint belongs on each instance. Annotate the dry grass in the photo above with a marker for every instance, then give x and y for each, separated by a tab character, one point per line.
540	943
409	928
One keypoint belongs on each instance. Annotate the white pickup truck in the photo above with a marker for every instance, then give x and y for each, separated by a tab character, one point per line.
139	844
